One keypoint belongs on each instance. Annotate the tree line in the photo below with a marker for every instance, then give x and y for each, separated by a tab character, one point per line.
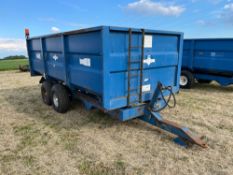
14	57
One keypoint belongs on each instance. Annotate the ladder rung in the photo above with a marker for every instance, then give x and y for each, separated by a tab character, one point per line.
133	76
135	47
130	90
131	102
134	94
136	61
138	88
136	69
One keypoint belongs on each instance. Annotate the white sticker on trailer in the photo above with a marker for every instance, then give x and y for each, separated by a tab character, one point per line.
55	57
213	54
85	62
146	88
148	41
149	60
38	56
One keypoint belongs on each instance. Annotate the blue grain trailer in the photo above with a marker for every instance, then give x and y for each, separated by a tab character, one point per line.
127	73
206	60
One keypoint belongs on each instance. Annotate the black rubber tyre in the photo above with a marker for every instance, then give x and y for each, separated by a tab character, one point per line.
204	81
60	98
46	92
186	80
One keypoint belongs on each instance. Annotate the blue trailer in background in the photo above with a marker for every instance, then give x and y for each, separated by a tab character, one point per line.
207	60
127	73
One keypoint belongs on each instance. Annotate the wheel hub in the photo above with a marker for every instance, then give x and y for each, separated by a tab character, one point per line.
55	100
183	80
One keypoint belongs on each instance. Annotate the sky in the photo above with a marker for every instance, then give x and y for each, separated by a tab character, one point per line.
196	18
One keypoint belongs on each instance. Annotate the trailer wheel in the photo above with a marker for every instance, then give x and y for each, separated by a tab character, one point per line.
46	92
204	81
60	98
186	80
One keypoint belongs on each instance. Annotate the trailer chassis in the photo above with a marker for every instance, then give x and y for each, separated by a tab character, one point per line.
149	113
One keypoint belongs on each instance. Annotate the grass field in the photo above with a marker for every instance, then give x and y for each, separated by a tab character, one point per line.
12	64
36	140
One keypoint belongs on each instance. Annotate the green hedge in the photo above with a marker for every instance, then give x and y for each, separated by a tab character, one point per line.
12	64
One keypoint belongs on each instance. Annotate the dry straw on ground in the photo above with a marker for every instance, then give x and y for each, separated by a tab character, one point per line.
36	140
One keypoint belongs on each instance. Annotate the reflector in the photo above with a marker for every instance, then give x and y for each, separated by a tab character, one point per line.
27	32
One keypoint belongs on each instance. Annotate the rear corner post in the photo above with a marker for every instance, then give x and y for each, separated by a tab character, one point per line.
66	76
181	41
27	36
43	57
105	34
